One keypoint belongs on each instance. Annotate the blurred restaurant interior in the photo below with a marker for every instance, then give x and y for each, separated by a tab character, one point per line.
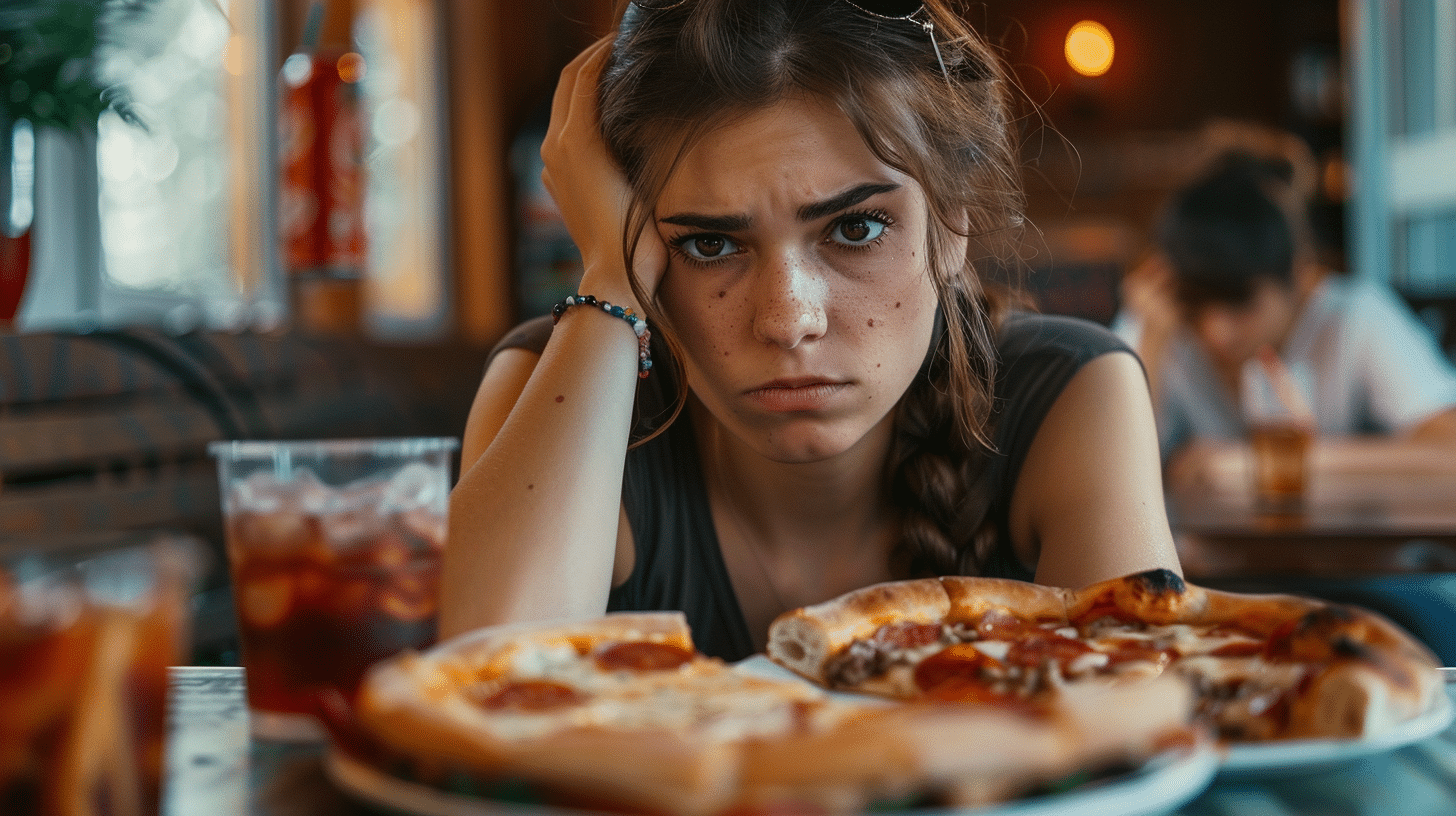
242	279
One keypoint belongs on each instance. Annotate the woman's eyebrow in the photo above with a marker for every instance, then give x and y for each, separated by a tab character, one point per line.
843	201
709	223
808	212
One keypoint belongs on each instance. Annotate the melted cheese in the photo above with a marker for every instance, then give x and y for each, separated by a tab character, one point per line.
1086	663
995	649
1186	638
1248	672
704	697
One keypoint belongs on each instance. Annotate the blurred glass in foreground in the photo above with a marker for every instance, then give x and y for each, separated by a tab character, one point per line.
85	642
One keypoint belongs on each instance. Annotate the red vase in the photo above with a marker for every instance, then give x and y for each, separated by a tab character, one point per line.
14	269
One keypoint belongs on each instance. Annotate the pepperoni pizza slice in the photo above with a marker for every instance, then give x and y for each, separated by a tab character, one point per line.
620	712
1262	667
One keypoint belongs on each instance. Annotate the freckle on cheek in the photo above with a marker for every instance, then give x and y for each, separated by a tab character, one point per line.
871	323
722	294
560	398
530	487
897	304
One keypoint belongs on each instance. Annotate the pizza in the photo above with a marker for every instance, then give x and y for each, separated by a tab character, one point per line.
620	712
1261	667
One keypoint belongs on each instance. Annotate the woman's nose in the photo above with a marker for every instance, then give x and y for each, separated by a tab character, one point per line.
789	302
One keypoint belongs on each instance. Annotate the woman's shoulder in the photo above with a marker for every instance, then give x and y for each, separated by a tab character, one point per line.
1039	356
1024	334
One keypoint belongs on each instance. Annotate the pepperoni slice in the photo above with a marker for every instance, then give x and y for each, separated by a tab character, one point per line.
533	695
908	634
954	665
641	656
1040	647
958	674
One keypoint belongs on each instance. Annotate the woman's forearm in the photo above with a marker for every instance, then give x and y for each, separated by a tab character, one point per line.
533	521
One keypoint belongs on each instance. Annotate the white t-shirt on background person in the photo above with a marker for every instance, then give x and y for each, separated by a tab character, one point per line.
1365	363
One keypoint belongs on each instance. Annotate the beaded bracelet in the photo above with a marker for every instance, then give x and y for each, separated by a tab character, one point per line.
639	325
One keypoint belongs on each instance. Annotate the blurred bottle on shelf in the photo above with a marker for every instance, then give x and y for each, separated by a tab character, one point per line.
321	152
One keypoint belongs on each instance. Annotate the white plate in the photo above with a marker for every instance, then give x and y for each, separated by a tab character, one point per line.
1165	783
1305	756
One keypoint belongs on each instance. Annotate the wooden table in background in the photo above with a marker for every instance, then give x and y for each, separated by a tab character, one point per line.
1348	526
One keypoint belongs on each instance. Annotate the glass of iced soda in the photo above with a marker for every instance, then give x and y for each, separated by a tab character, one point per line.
86	639
334	553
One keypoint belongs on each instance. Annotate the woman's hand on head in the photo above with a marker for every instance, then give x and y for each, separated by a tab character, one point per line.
590	189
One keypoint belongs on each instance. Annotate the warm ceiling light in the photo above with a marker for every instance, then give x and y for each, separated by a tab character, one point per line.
1089	48
351	67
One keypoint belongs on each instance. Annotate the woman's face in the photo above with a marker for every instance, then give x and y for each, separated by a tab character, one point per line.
798	280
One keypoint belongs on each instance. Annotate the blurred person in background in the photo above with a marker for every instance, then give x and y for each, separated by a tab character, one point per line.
1234	278
1234	291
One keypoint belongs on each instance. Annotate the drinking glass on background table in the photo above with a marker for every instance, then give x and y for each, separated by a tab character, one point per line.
1281	464
334	551
1281	430
85	643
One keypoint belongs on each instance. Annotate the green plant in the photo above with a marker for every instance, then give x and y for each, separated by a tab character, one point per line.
48	60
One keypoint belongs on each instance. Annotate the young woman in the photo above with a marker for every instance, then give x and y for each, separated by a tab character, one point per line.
791	192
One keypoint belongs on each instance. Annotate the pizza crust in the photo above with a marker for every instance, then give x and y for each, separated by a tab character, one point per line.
1334	671
803	640
971	598
1352	700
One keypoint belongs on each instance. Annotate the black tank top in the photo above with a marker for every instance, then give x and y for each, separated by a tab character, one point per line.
678	562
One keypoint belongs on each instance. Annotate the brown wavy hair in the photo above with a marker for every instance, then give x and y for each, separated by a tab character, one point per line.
677	73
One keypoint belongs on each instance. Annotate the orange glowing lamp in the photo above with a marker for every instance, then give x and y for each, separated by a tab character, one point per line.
1089	48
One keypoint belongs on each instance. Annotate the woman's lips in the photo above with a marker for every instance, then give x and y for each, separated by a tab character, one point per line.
796	395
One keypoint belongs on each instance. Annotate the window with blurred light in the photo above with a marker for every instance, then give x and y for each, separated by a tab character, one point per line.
188	223
177	196
1404	127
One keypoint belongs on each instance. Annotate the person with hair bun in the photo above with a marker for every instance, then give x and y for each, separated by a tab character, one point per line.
1238	290
783	377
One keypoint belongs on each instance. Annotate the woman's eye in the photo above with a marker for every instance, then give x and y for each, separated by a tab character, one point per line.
857	230
706	247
